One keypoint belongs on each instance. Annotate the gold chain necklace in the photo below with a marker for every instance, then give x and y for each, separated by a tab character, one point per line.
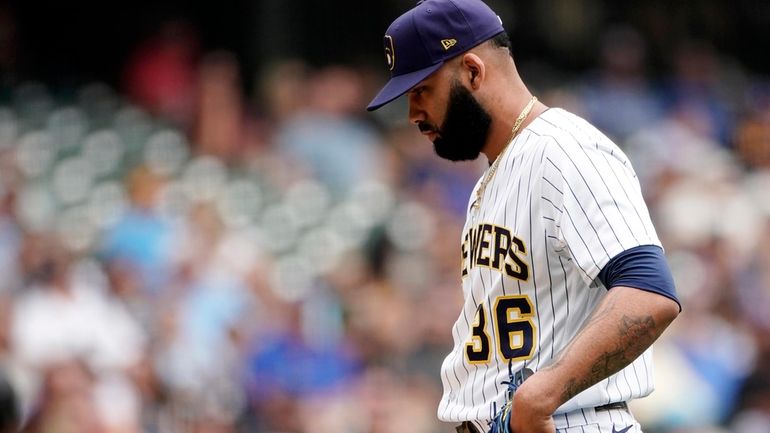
493	168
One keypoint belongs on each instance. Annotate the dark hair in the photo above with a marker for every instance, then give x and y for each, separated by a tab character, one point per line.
501	40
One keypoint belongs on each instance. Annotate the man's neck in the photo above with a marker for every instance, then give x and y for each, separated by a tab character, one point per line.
500	135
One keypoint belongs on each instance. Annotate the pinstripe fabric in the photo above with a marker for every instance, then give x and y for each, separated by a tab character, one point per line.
571	200
591	421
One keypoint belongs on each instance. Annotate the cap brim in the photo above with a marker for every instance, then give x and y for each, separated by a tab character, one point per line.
399	85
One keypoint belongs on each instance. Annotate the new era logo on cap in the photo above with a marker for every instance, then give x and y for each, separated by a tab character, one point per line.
428	35
448	43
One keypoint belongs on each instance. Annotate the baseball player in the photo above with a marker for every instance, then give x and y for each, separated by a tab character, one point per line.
564	278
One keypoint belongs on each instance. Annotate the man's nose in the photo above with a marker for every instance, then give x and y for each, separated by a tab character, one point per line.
416	114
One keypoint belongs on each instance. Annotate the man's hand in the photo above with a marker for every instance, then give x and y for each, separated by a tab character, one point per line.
532	409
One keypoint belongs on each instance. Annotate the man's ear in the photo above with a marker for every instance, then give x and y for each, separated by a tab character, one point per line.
474	69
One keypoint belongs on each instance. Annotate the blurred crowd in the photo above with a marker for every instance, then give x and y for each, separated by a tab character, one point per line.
178	258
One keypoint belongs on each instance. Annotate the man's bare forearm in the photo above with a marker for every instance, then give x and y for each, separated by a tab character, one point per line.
635	335
624	325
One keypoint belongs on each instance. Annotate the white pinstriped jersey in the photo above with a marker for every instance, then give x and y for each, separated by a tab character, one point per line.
563	202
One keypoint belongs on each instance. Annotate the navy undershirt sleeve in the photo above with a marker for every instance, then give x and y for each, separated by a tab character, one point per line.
643	267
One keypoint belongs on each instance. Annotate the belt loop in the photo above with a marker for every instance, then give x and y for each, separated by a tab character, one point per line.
619	405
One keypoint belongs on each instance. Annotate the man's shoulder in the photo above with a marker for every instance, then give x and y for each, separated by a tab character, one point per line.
569	133
553	131
566	141
561	124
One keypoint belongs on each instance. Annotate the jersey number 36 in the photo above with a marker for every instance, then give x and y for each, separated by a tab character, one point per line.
514	331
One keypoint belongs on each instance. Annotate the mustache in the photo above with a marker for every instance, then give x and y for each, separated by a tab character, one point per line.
427	127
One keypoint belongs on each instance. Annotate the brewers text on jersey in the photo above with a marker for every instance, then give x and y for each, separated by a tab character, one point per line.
494	247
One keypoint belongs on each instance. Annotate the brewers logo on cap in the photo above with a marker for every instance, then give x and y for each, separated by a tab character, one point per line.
390	53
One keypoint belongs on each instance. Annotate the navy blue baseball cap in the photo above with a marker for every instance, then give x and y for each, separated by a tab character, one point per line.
419	42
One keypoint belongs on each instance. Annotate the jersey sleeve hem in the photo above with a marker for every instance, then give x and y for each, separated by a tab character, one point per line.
643	267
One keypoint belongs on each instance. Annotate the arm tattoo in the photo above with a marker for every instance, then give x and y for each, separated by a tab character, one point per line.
635	335
596	316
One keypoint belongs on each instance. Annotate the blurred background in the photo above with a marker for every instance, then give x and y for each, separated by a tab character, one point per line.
202	230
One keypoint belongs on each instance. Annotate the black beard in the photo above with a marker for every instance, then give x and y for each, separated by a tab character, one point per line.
465	128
